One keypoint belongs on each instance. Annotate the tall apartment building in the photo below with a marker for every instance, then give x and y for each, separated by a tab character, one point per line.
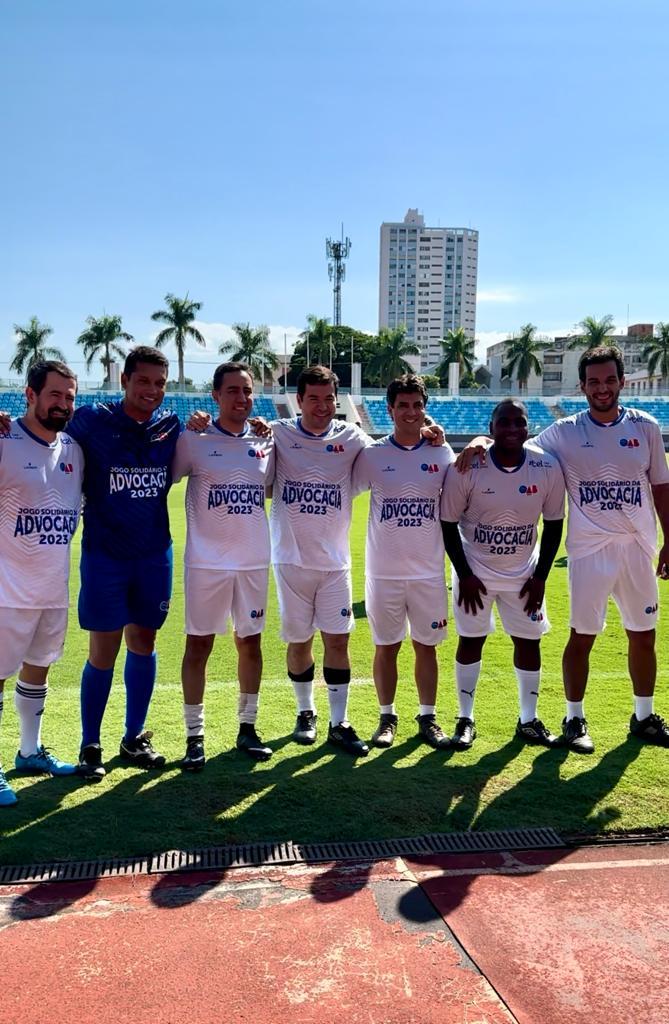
427	281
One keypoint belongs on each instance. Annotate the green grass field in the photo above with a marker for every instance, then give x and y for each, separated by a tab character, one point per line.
314	794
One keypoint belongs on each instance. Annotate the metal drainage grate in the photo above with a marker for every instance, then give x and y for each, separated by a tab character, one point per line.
218	858
74	871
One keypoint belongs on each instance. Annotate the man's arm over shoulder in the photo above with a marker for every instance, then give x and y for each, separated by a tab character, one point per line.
182	463
360	477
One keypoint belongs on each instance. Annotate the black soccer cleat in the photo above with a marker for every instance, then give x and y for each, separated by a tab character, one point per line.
465	733
535	732
430	732
652	729
140	752
384	736
90	765
194	759
575	735
249	741
346	738
305	728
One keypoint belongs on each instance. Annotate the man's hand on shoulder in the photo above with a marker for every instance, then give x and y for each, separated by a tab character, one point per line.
5	420
434	433
476	449
199	421
260	427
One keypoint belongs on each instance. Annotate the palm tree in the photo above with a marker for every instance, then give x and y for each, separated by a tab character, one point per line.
251	347
30	347
521	355
656	352
388	360
179	314
100	341
592	332
458	348
318	339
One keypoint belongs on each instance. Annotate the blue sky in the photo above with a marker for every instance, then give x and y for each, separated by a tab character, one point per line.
210	147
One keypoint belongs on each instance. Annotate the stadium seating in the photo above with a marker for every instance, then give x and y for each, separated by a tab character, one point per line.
183	405
657	406
460	415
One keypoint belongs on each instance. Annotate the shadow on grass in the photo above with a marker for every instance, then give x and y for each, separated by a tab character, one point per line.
313	795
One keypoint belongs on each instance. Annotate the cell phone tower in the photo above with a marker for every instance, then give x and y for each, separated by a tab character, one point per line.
337	253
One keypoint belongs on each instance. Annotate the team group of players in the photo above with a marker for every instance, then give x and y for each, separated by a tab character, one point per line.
484	513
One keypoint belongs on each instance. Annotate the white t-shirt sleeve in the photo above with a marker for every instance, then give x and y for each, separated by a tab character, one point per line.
553	507
182	463
548	439
455	495
360	479
658	470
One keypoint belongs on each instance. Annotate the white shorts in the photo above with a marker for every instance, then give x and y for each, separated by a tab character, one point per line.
311	600
31	635
390	603
213	596
511	609
621	571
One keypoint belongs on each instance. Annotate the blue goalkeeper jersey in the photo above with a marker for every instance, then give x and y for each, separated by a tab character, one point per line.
126	479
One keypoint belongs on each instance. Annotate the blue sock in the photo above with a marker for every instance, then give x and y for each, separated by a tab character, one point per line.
140	676
95	688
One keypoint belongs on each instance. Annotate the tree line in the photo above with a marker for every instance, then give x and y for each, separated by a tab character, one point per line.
382	356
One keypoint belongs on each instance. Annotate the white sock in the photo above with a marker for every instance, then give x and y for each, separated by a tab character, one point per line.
426	709
574	709
643	707
528	692
194	719
387	709
466	678
304	694
338	699
29	701
248	707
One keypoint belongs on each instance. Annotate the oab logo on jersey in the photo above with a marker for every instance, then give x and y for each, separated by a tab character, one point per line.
631	442
67	467
530	489
257	613
438	624
346	613
429	467
651	609
336	448
257	453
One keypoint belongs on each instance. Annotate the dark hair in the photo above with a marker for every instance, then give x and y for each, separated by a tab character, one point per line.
601	354
407	384
37	373
509	401
220	372
316	375
144	354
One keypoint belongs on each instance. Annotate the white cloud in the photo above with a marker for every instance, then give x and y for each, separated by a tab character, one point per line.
498	295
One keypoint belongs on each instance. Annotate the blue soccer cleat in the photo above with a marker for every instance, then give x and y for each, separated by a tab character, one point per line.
7	794
43	763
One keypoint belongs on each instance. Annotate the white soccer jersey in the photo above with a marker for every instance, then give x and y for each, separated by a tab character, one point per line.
498	512
608	471
226	525
311	504
404	540
40	499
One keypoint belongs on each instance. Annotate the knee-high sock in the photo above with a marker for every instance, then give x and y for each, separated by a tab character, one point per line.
95	689
29	701
528	693
140	677
466	679
337	681
303	685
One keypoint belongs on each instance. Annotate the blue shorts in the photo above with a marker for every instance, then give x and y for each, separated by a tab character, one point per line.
115	592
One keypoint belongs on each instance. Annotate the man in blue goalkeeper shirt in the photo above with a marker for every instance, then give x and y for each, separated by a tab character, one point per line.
126	558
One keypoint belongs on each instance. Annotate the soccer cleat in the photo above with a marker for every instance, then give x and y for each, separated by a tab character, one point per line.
432	733
385	734
305	728
465	733
140	752
90	765
345	737
194	759
7	794
536	732
652	729
249	741
43	762
575	736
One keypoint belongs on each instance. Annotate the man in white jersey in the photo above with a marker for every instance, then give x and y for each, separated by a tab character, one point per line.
405	556
617	479
489	519
227	554
41	471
